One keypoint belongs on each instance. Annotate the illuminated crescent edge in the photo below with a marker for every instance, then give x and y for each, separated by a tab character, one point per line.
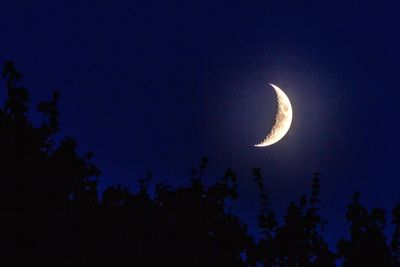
283	119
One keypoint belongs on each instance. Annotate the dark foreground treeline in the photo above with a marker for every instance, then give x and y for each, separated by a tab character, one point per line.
51	214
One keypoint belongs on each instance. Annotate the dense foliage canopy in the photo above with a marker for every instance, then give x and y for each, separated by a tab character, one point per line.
53	215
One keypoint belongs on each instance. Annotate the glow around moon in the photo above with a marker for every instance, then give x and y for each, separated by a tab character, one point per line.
283	119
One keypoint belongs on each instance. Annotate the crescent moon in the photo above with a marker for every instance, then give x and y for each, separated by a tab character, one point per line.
283	119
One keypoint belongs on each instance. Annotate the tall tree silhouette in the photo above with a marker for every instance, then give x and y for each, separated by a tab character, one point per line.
40	181
367	245
52	216
298	241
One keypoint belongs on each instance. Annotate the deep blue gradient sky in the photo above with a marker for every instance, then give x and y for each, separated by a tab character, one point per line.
157	85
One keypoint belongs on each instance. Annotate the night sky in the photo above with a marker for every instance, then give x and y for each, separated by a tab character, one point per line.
157	85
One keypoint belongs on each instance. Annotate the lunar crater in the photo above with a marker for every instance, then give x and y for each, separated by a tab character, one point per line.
283	119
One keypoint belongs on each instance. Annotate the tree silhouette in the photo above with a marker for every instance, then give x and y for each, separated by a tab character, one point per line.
395	243
298	241
187	226
41	182
53	215
367	245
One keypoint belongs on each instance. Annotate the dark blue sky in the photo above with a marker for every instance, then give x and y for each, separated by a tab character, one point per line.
157	85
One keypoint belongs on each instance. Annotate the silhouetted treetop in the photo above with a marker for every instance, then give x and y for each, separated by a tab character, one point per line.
298	241
53	215
367	245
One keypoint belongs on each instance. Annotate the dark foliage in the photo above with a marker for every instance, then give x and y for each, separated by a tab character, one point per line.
52	215
298	241
367	245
